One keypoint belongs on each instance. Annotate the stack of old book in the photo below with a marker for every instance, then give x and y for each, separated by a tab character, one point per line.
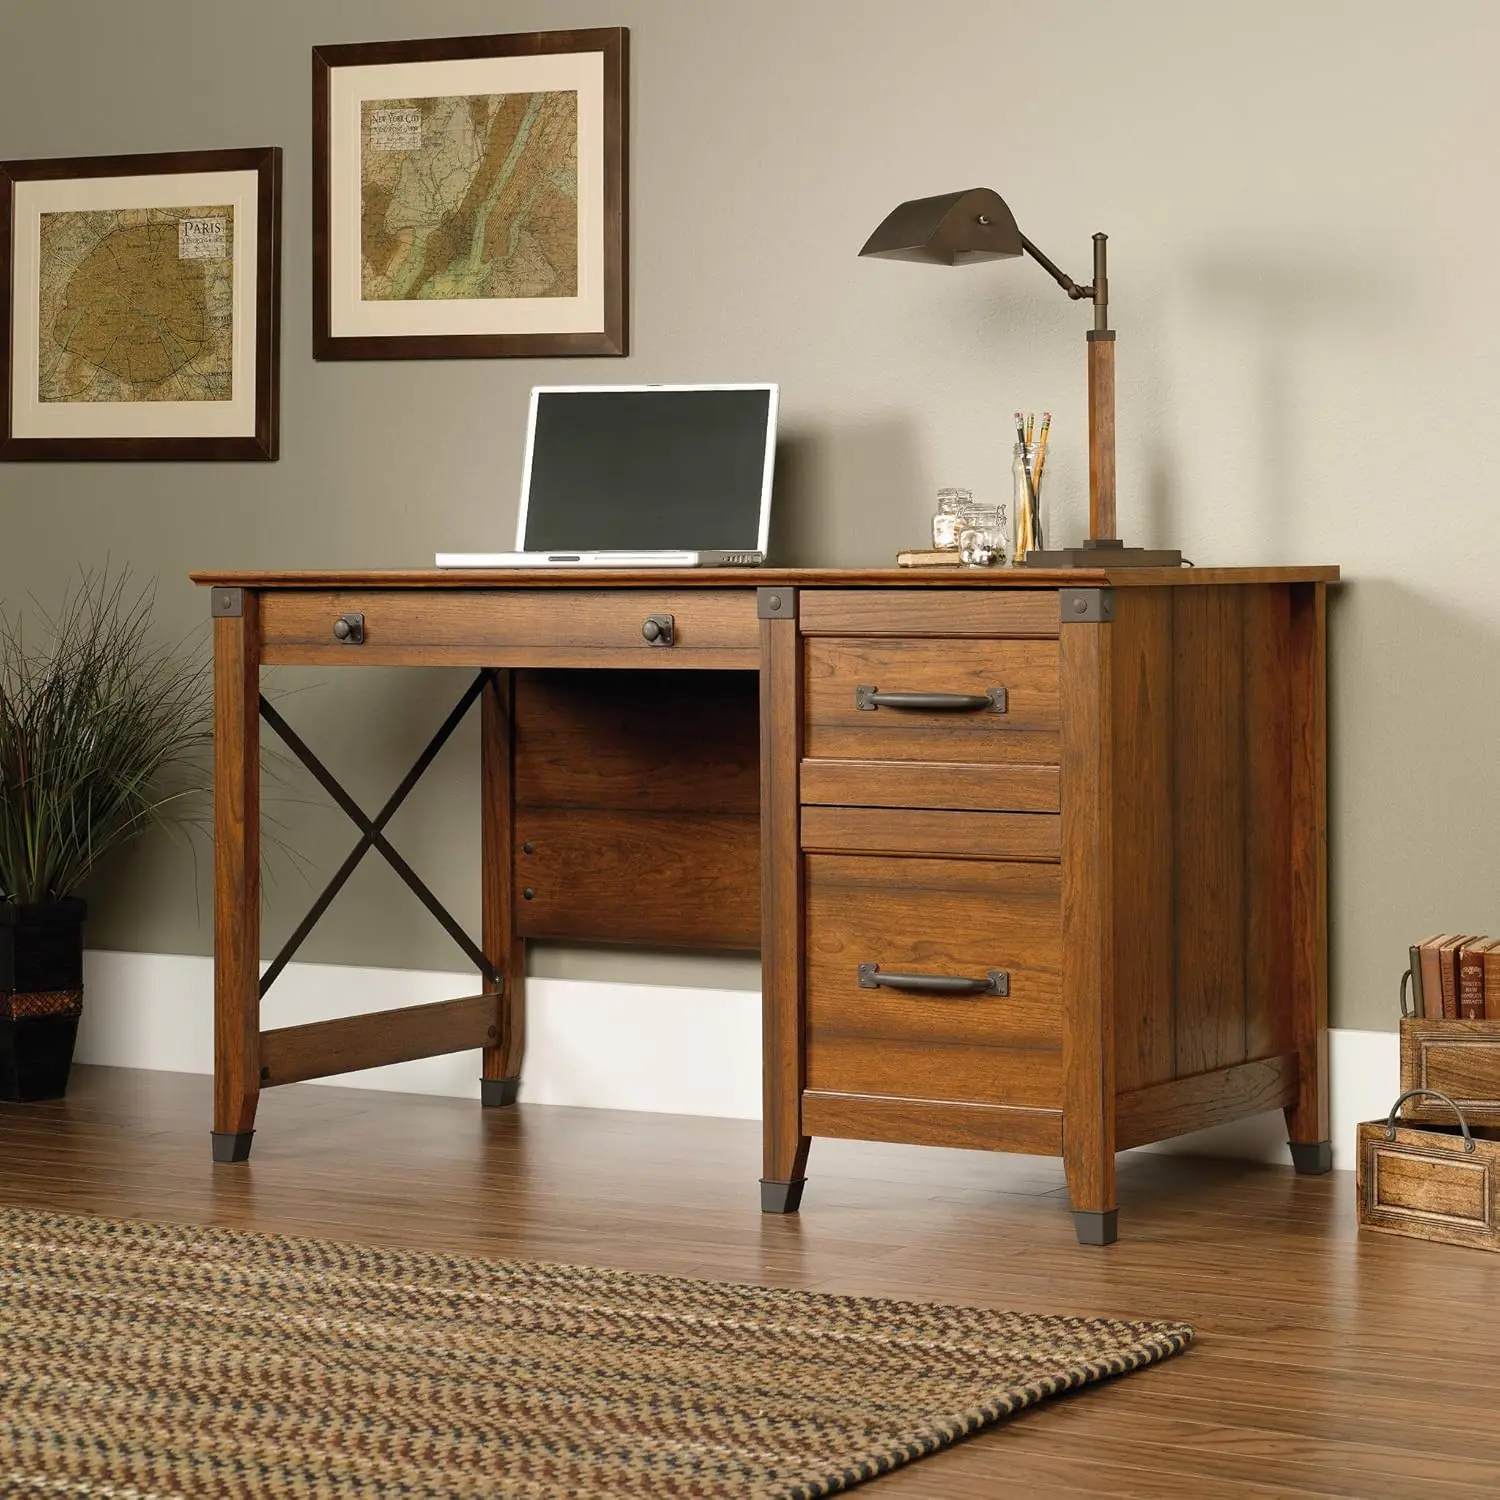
1456	977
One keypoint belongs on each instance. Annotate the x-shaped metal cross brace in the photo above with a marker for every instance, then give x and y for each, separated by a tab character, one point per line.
372	837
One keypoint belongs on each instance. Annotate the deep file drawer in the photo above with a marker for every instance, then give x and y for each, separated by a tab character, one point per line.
934	979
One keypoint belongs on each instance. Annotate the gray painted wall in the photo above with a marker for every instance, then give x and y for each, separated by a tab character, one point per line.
1300	195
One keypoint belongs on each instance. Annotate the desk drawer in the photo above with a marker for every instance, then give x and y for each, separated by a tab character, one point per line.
514	627
931	785
971	701
954	919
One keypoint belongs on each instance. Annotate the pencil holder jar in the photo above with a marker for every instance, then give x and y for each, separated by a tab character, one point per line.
1028	504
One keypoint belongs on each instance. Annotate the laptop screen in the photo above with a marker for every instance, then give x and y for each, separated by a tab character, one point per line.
653	469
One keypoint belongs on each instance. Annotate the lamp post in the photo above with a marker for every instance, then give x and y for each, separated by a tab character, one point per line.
957	228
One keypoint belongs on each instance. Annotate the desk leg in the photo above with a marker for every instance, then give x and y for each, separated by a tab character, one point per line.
1088	998
236	872
1308	1124
781	917
500	1076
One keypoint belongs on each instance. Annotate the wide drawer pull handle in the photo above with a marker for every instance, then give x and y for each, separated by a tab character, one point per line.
868	699
996	982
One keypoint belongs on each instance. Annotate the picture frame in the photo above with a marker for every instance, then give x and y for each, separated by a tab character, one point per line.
140	306
470	196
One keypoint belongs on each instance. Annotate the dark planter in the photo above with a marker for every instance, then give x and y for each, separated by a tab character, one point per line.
41	996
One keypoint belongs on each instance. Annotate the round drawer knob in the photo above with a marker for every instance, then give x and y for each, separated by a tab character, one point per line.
341	630
658	630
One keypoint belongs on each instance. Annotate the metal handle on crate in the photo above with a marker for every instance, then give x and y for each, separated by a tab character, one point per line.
1463	1124
1406	990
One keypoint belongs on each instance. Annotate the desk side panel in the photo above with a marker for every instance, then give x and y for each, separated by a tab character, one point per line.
1203	927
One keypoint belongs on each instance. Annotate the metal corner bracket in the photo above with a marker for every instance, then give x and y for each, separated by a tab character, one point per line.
1086	606
776	604
226	604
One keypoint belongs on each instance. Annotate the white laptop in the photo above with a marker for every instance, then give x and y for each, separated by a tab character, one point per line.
642	476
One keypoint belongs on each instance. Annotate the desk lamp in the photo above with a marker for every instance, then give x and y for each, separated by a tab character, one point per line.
956	228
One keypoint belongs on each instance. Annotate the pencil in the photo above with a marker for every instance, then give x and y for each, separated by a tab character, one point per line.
1032	509
1041	451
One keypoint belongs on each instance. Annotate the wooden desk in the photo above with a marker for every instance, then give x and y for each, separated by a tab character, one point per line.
1069	898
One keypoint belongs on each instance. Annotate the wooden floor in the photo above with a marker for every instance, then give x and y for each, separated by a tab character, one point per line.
1328	1363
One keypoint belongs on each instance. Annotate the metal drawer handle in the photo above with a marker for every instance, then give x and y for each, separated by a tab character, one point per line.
1463	1124
659	630
868	699
996	982
350	629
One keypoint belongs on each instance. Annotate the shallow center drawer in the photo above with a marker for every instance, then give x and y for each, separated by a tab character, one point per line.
551	627
973	701
934	979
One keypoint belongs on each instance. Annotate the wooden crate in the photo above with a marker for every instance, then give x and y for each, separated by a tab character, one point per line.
1430	1182
1458	1058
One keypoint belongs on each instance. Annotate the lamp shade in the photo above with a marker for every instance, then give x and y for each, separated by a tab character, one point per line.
951	229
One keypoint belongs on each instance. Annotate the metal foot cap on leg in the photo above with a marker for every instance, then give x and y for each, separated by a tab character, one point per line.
232	1145
1312	1158
1096	1228
497	1092
781	1197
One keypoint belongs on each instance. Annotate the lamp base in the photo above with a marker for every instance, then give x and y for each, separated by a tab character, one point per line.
1104	552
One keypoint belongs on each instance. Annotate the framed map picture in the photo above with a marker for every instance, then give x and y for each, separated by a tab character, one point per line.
140	305
469	196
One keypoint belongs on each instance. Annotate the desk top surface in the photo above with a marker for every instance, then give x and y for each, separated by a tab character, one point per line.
749	578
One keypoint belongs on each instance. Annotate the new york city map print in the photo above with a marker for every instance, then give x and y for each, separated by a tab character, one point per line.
136	305
469	197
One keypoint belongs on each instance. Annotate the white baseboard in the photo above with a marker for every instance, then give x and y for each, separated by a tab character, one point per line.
660	1048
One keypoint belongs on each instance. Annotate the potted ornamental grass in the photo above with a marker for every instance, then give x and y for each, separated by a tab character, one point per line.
104	733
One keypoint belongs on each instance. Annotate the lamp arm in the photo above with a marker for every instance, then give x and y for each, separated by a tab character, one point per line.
1097	293
1061	277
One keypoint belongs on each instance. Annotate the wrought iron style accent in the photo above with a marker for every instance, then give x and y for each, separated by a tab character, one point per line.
776	604
660	630
372	837
226	604
350	629
1086	606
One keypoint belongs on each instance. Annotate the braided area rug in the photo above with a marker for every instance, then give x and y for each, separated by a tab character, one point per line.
150	1362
